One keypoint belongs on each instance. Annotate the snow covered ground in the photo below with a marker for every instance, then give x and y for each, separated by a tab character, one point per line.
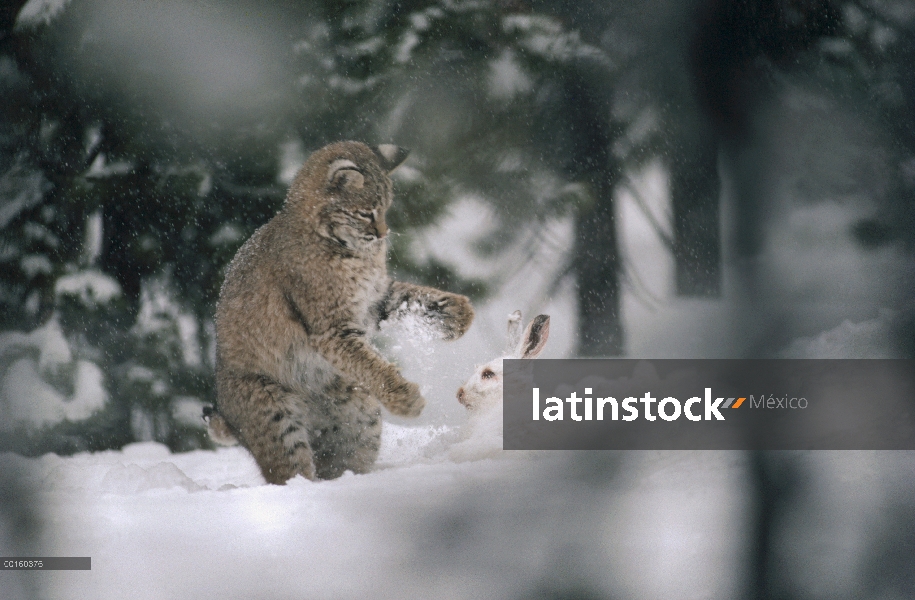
430	524
425	524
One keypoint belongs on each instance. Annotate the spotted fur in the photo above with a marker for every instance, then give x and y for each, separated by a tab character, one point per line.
297	382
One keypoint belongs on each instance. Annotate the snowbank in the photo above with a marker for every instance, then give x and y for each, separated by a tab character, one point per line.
204	524
872	338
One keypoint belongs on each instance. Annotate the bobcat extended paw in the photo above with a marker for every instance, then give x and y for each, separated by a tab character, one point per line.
403	399
456	314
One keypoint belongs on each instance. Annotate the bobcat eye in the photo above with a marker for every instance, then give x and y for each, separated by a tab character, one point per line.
366	215
488	374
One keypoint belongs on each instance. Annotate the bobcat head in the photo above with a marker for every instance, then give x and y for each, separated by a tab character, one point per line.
344	190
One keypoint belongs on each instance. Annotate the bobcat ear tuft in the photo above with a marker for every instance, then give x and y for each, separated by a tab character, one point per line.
344	173
390	156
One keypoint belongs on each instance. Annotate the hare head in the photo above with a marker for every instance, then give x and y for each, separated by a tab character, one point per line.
484	388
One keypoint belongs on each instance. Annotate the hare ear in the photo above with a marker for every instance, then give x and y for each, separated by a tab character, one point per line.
390	156
535	336
514	333
344	173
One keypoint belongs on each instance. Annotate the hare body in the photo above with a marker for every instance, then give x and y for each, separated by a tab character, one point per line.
481	394
297	382
484	388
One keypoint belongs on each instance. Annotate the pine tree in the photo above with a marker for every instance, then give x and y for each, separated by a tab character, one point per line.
495	100
115	231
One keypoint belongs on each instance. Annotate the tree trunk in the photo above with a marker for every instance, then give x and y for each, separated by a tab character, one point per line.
695	189
597	266
596	258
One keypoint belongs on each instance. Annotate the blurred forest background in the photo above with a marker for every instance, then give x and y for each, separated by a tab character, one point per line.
142	142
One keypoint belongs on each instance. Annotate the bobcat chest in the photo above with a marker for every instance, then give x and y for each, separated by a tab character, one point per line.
370	286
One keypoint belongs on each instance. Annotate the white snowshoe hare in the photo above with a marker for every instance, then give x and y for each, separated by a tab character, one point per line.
484	388
482	393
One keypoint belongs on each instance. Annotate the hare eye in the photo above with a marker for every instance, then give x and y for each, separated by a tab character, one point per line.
488	374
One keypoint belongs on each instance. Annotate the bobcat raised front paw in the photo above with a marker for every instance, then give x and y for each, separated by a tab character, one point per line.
403	399
455	314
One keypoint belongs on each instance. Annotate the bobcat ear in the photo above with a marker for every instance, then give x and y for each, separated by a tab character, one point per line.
390	155
344	173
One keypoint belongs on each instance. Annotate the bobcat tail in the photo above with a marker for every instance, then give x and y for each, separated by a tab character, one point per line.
218	428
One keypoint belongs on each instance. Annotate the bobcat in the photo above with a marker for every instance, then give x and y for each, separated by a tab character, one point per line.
297	382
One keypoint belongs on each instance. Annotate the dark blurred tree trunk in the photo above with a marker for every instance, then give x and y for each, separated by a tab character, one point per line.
596	257
775	480
734	60
737	48
695	189
597	265
582	133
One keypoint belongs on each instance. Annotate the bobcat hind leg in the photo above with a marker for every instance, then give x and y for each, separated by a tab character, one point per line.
346	432
261	412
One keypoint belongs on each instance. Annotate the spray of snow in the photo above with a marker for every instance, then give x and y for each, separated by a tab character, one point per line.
403	445
412	330
414	324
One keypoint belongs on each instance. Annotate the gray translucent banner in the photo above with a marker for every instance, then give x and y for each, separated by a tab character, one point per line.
46	563
628	404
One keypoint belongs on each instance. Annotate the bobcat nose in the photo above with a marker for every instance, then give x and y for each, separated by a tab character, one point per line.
381	228
460	395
